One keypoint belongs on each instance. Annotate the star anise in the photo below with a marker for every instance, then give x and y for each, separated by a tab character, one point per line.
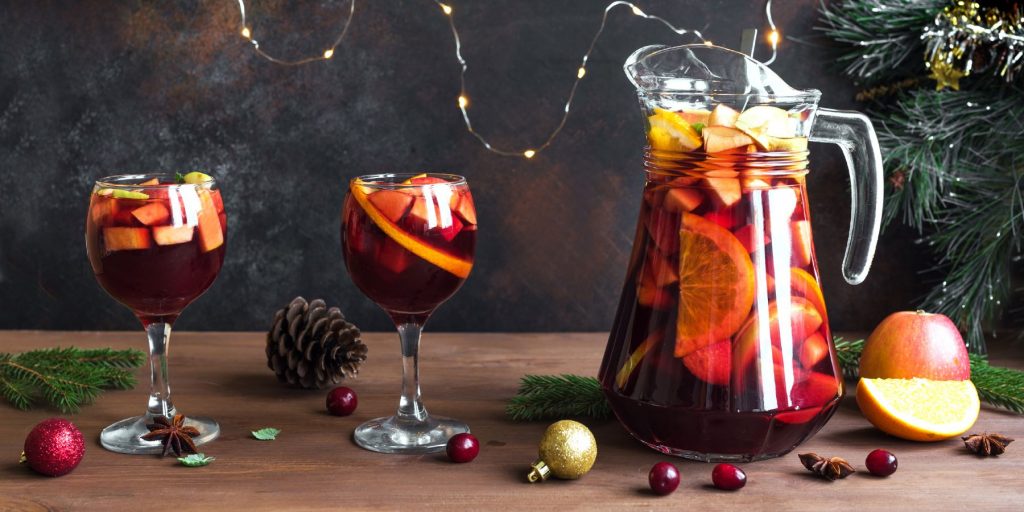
173	434
986	444
831	468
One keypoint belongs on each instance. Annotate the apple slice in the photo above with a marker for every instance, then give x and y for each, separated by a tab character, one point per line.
695	116
726	190
747	236
813	350
121	239
756	121
711	364
800	232
663	273
211	235
391	203
727	217
782	202
793	144
802	318
103	209
464	208
720	138
679	199
152	214
150	182
173	235
815	390
218	201
723	115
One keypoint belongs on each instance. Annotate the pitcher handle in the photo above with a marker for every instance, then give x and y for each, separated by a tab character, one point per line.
853	132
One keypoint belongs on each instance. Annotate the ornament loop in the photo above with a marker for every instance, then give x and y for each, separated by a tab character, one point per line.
539	473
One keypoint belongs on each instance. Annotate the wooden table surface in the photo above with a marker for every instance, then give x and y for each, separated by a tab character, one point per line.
315	465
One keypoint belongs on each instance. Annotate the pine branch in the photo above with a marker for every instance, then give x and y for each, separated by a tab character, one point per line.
881	38
558	396
553	397
66	378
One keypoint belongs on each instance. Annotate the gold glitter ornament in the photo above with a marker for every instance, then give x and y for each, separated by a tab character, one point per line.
945	74
567	450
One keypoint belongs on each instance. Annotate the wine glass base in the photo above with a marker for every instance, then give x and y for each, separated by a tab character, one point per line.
125	436
396	435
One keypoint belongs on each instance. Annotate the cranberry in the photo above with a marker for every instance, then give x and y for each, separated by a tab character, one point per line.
728	477
664	478
463	447
342	401
881	463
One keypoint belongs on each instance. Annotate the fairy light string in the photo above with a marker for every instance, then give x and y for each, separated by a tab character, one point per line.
463	102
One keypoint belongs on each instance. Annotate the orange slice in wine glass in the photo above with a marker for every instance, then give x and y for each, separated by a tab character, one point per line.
458	266
716	284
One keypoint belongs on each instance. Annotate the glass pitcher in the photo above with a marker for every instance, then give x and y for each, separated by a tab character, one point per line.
720	349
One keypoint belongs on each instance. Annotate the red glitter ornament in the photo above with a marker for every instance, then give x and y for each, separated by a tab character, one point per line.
54	447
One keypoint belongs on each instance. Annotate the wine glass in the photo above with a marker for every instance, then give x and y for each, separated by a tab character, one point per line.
155	242
408	242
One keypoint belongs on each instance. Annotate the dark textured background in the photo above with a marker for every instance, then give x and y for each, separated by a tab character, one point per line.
93	88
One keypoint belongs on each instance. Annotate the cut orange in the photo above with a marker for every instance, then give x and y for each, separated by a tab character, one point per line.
716	284
670	132
919	409
457	266
804	284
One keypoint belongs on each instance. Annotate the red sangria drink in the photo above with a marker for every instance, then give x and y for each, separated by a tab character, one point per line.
156	242
408	243
721	348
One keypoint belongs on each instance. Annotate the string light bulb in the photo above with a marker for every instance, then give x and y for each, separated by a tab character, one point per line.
328	53
581	72
246	33
529	153
463	101
446	8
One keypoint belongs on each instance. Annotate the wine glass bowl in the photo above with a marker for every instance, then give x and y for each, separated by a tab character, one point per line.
155	242
408	243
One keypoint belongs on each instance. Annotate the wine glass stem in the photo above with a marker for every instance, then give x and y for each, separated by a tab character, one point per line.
411	407
159	334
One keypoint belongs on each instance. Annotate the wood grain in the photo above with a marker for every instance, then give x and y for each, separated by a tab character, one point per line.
315	466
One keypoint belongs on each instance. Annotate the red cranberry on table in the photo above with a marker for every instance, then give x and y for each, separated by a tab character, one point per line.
342	401
881	463
463	447
664	478
728	477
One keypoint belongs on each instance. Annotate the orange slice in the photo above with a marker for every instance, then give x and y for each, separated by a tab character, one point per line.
919	409
634	359
716	284
804	284
670	132
457	266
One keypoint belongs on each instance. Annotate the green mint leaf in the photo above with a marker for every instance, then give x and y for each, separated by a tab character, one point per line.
266	434
699	127
179	178
195	460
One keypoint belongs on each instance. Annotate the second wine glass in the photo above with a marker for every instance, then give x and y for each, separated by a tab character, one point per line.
408	242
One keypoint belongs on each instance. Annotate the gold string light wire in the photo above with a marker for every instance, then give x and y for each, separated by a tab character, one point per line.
463	99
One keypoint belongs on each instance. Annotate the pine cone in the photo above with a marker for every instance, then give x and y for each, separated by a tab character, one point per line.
311	346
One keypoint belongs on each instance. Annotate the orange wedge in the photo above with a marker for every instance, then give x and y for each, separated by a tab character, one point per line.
670	132
805	285
919	409
716	284
453	264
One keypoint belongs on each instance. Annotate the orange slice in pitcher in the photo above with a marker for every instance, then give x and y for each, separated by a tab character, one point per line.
716	284
803	283
457	266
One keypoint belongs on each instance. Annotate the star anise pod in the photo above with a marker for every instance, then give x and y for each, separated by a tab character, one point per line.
173	434
986	444
831	468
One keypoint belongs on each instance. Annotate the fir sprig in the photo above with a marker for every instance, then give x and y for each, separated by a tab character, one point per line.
66	378
551	397
558	396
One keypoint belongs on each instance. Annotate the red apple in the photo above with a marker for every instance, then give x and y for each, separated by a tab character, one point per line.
911	344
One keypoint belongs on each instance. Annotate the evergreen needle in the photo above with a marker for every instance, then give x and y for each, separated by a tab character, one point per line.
66	378
555	397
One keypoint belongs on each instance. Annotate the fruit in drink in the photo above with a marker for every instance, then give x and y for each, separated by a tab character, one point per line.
720	138
121	239
670	132
800	231
172	235
391	203
712	364
919	409
910	344
813	350
799	321
723	115
716	284
152	214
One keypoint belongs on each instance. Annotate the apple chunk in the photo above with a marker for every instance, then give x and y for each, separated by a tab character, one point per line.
172	235
211	235
679	199
391	203
152	214
723	115
121	239
800	231
712	364
721	138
